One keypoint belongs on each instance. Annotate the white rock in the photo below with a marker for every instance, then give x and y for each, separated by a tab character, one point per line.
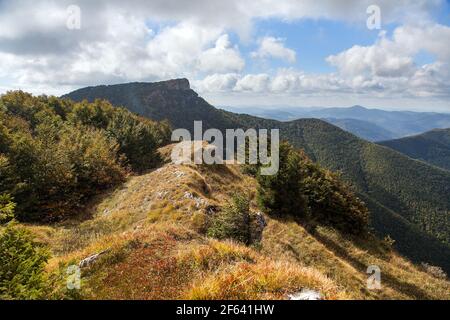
306	294
90	260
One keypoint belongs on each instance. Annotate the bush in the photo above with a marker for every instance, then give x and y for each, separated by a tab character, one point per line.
388	242
55	154
6	208
332	202
57	174
280	194
137	139
233	222
314	195
22	265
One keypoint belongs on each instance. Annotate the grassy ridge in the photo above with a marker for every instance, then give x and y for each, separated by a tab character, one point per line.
161	254
401	186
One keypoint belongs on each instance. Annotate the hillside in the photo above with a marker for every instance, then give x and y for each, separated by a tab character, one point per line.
150	231
363	129
432	147
387	180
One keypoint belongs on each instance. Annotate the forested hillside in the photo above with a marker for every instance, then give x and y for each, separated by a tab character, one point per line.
396	187
432	147
363	129
55	155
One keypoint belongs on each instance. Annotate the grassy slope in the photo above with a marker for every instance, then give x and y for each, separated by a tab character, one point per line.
151	227
387	180
432	147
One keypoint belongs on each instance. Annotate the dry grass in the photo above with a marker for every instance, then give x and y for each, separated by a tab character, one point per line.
152	227
346	261
264	279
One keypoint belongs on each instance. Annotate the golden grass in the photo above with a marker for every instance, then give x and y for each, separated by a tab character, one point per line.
153	228
346	261
265	279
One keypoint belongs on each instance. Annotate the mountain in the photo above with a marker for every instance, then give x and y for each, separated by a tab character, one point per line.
146	240
363	129
408	199
401	123
162	248
172	100
432	147
392	124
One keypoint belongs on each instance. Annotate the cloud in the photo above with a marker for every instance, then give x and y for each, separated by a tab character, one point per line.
384	59
388	64
217	83
253	82
270	47
222	58
394	57
160	39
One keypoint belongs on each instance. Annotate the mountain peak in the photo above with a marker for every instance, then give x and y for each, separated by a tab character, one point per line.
357	107
176	84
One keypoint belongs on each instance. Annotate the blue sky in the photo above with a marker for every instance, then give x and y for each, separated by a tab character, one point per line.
265	53
314	40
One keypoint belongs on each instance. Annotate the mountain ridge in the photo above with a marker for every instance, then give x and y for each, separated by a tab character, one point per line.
432	147
397	124
375	171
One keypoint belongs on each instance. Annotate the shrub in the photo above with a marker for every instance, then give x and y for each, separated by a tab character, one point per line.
55	154
388	242
304	190
332	202
199	222
137	139
233	222
6	208
57	174
280	194
22	265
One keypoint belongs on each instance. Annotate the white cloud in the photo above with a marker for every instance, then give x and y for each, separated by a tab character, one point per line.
160	39
384	59
217	83
253	83
224	57
388	67
270	47
431	37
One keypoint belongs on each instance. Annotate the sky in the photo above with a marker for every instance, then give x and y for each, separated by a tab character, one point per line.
331	53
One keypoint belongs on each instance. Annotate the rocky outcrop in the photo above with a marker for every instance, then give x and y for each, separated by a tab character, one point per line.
90	260
176	84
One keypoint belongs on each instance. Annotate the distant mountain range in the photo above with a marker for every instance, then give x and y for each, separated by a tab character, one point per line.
408	199
432	147
369	124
